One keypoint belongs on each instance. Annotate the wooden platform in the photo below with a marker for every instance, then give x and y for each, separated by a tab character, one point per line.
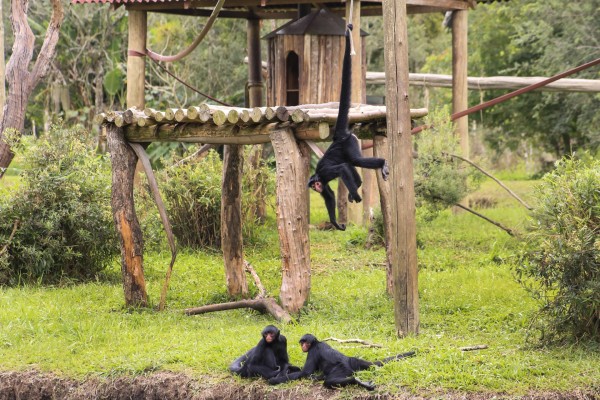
235	125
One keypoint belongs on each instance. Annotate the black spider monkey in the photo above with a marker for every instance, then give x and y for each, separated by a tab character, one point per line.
337	369
267	360
344	154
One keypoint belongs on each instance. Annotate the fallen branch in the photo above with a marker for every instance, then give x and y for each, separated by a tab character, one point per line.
262	305
513	194
476	347
364	342
197	154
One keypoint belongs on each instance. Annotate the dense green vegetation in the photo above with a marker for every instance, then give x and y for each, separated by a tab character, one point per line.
468	296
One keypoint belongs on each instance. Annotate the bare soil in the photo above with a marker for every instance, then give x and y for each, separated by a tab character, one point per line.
33	385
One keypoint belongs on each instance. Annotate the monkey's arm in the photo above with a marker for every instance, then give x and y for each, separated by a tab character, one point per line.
310	366
329	198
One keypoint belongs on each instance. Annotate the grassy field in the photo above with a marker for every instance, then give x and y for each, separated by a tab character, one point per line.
467	297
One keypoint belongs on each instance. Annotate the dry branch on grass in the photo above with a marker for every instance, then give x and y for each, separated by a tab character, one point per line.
363	342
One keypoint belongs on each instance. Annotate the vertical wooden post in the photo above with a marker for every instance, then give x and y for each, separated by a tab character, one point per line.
255	99
123	160
292	219
2	65
460	89
255	81
136	65
402	199
231	221
380	149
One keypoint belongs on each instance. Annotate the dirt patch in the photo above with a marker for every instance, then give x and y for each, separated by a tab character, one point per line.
32	385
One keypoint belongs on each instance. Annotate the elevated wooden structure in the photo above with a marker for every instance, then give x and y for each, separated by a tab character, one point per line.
291	152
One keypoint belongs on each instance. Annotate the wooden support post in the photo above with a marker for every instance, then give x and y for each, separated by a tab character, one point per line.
136	65
231	221
460	86
255	99
402	200
123	160
380	149
292	219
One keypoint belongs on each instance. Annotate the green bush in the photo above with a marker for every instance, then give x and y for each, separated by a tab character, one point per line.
191	191
561	265
58	222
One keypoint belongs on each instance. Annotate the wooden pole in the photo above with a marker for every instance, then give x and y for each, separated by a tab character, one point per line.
460	87
123	160
381	149
136	65
292	219
402	200
231	221
2	65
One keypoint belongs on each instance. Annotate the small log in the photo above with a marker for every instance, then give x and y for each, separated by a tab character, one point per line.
262	305
256	114
149	112
364	342
282	114
99	118
476	347
170	114
159	116
313	131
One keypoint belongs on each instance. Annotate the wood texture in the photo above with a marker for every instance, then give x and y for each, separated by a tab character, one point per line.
123	160
460	91
231	221
402	199
136	66
292	220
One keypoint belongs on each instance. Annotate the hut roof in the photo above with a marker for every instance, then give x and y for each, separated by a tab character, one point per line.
318	22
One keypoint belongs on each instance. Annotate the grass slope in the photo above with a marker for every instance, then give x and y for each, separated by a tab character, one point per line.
467	297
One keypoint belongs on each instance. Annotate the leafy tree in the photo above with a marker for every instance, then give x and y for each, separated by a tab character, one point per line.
538	39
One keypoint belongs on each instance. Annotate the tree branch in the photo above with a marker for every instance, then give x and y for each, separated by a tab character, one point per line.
47	51
513	194
368	344
263	305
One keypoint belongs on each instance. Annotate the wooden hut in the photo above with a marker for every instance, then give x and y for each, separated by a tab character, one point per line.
305	60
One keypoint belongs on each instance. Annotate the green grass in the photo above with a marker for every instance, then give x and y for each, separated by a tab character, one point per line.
467	296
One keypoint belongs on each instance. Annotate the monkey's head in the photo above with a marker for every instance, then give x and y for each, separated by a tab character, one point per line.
314	182
270	333
307	341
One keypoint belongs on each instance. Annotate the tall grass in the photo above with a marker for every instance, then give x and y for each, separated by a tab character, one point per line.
467	296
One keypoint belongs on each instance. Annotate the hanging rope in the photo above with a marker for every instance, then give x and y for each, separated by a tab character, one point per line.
179	56
349	23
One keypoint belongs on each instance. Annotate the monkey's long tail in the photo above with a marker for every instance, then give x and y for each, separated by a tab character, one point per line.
396	357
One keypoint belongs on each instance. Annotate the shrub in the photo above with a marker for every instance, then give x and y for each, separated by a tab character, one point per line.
561	265
58	222
192	196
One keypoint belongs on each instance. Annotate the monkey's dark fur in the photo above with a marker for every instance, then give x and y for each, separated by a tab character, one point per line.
337	368
344	154
266	360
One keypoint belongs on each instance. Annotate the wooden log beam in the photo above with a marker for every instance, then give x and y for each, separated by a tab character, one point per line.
123	160
494	82
292	219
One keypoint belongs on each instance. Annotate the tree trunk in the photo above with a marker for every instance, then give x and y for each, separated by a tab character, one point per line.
231	221
123	160
20	78
292	219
